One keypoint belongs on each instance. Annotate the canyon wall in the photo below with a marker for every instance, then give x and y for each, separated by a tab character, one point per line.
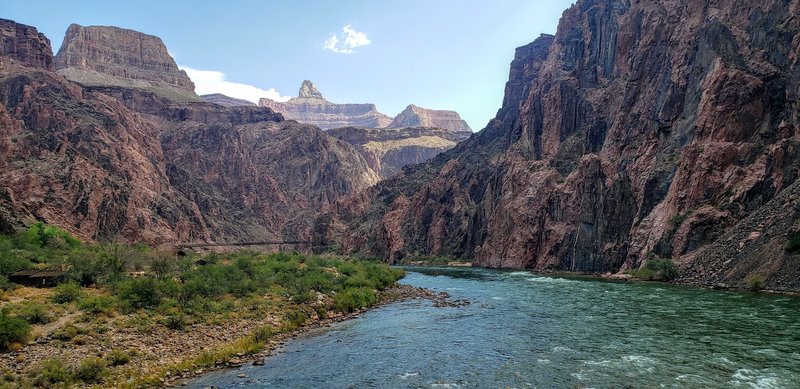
641	129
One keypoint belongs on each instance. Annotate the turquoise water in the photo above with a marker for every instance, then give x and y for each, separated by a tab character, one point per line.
528	331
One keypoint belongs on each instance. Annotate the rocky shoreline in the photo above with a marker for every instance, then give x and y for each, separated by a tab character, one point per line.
396	293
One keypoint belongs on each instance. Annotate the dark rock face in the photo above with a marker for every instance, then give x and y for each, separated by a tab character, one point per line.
311	108
114	163
387	150
25	44
639	129
226	101
414	116
113	56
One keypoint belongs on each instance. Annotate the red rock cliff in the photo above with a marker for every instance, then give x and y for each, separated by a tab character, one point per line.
641	128
107	55
25	44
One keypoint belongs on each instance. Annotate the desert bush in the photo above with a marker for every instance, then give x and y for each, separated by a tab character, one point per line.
138	293
656	269
91	370
97	304
353	299
263	334
175	322
51	372
68	332
32	312
12	329
793	245
754	282
118	358
67	292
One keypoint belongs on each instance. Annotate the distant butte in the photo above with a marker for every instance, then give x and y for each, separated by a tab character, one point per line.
113	56
311	107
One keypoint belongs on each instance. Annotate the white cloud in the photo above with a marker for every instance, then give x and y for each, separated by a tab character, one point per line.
212	81
352	39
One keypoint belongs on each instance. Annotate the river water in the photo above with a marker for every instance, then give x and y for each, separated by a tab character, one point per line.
523	330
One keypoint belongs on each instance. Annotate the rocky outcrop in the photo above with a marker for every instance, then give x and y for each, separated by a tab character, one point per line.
640	129
414	116
311	108
113	56
25	44
387	150
226	101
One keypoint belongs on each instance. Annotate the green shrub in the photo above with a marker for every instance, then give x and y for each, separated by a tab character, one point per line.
67	332
92	370
664	269
175	322
139	293
67	292
162	267
793	245
10	262
754	282
353	299
4	283
263	334
294	319
97	304
118	358
12	329
656	269
52	372
32	313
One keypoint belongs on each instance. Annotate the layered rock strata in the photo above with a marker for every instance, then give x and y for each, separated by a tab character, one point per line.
226	101
387	150
414	116
113	56
311	108
25	44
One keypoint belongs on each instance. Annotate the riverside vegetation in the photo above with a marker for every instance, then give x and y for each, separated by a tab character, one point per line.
129	315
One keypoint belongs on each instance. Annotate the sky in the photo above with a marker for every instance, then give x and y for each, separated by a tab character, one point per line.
438	54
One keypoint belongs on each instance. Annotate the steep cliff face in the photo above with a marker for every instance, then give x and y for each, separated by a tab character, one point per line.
226	101
311	108
640	128
82	161
25	44
387	150
119	163
414	116
113	56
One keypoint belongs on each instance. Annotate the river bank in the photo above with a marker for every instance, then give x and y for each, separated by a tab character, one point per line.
393	294
526	330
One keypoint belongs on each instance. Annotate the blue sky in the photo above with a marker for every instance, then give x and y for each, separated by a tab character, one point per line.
446	54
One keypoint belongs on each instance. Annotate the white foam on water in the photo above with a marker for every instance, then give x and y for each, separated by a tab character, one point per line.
604	363
543	361
497	298
755	379
445	385
551	280
560	349
520	273
408	375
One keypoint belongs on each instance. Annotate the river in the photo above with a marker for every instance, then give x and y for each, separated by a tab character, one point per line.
523	330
